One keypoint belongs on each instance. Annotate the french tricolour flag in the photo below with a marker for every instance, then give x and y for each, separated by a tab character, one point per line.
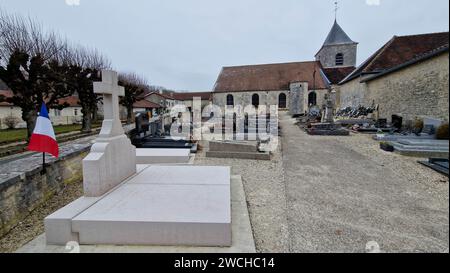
43	138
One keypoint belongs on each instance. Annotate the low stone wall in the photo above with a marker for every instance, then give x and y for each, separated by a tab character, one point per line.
23	188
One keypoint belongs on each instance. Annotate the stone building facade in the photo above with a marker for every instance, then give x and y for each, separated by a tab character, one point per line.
270	84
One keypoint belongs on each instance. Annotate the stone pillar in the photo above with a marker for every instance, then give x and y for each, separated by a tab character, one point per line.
297	98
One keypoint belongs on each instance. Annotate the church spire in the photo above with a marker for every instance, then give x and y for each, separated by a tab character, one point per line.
336	7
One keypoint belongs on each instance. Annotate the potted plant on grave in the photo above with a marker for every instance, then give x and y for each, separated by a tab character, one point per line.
386	146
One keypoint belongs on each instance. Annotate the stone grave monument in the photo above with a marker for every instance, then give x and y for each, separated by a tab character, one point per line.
129	204
100	168
236	149
327	126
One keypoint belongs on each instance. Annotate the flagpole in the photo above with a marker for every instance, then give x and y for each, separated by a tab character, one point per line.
44	171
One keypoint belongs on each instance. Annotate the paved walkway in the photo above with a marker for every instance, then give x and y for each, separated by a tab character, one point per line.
339	199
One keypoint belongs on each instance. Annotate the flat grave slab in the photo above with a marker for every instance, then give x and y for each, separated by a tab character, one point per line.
159	156
242	235
161	205
163	214
234	146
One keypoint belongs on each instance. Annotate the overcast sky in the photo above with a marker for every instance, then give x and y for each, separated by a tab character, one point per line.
182	44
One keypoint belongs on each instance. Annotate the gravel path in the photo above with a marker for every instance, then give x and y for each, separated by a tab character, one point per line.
266	197
344	192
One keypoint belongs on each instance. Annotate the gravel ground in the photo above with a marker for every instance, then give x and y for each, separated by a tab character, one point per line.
266	198
345	194
33	225
404	166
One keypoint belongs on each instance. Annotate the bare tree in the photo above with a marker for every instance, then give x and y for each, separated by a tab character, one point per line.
84	68
29	66
135	86
23	34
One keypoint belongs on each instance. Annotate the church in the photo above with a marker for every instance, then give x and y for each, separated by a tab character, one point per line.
273	84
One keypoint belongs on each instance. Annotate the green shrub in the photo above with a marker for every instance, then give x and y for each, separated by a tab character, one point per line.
418	125
442	132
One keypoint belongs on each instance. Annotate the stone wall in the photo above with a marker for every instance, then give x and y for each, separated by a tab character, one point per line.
327	55
351	94
417	91
265	97
23	191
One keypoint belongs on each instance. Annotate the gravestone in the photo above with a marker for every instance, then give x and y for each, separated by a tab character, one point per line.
142	124
112	158
328	127
429	129
297	97
397	122
328	116
151	204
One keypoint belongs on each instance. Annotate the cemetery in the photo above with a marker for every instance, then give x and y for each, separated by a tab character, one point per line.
315	156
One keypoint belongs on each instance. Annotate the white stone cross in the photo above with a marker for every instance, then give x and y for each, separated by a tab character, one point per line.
111	91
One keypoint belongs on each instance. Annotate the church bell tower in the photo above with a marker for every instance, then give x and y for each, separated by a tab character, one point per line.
338	50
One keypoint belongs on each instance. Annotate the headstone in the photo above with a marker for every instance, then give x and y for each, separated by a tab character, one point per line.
297	98
429	129
157	205
142	123
397	122
381	123
328	116
432	122
112	158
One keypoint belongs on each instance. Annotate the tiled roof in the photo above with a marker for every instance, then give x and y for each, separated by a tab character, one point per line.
268	77
404	48
163	95
6	94
190	95
337	74
337	36
72	101
146	104
400	50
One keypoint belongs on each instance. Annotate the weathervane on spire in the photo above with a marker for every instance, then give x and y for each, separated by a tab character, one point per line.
336	7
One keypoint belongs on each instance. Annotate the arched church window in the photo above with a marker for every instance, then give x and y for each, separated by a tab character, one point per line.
255	100
339	59
312	99
230	100
282	101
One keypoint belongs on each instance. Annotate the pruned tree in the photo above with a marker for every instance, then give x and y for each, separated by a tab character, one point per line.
135	86
84	68
29	66
33	81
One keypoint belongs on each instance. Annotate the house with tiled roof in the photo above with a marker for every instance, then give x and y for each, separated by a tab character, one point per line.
408	77
144	105
187	98
274	84
71	114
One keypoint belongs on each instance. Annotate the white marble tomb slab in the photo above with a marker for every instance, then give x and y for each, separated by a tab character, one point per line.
162	205
161	156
